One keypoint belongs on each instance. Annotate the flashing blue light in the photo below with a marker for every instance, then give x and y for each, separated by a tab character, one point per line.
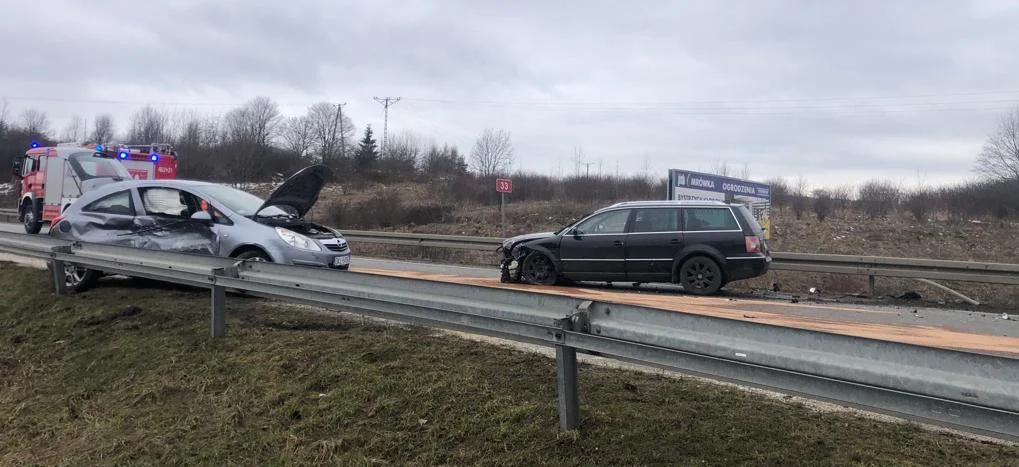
154	157
35	144
123	154
99	147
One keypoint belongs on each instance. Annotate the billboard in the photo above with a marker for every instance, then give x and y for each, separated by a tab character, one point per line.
684	184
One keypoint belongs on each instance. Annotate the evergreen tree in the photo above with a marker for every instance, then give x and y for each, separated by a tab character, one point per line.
367	154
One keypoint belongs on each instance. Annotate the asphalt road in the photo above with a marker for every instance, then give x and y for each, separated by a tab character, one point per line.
929	326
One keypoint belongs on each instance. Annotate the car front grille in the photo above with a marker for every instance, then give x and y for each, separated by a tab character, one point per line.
336	247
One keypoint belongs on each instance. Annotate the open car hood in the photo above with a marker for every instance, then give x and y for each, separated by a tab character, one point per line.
301	190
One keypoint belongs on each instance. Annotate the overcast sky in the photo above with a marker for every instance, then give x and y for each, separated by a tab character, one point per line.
838	92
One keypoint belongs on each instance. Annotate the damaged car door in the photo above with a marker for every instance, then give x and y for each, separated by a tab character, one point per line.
171	219
105	220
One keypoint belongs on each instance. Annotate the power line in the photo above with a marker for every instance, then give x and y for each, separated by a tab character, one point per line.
386	102
768	106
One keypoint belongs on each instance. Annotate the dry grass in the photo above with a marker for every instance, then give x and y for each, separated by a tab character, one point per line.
126	374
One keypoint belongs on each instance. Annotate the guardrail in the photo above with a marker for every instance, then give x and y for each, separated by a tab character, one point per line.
965	271
975	392
872	266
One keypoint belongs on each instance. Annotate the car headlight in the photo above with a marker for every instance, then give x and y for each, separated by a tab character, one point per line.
297	240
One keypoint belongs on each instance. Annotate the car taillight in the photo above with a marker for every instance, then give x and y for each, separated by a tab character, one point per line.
753	244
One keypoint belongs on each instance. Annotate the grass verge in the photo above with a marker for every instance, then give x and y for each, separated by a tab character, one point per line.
128	374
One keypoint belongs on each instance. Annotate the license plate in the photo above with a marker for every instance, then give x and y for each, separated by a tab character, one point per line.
341	261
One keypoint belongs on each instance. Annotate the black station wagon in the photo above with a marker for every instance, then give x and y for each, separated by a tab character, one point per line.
701	245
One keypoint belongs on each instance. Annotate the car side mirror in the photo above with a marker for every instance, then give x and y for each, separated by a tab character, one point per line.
203	217
17	166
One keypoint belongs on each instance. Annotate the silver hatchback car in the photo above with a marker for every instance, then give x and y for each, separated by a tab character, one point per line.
205	218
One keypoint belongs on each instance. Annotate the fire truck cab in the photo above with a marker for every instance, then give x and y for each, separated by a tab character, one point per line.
54	177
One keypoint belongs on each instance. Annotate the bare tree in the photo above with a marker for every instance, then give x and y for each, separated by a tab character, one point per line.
721	168
492	153
645	167
265	118
879	197
35	122
149	125
75	129
999	159
799	197
3	118
578	161
298	134
823	204
400	161
330	131
255	123
744	173
102	129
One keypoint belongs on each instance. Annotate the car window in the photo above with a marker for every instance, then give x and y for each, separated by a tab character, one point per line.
116	203
612	222
165	202
655	220
179	204
748	216
700	219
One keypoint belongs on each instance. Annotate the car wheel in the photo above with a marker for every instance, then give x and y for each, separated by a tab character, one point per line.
700	275
538	269
76	278
253	255
32	219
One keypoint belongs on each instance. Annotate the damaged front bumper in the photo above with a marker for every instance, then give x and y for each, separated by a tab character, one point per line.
509	266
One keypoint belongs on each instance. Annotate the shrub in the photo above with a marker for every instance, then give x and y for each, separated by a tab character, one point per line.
920	204
823	204
878	198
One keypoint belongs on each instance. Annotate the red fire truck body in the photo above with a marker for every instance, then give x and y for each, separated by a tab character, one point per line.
54	177
155	161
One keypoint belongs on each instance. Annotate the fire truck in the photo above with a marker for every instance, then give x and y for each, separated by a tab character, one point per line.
53	177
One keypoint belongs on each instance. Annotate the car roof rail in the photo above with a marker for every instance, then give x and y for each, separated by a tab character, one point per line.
670	202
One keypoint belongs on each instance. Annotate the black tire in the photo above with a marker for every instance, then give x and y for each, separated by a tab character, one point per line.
249	254
76	278
253	254
538	268
31	217
701	275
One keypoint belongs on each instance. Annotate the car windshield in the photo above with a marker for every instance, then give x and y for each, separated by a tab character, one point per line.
241	202
86	166
571	223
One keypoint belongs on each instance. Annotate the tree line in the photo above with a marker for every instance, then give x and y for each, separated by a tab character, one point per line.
256	142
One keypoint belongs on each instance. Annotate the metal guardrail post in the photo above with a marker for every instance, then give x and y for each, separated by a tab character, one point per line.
218	311
219	300
567	386
566	378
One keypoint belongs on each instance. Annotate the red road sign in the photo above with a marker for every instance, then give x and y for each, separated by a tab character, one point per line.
504	185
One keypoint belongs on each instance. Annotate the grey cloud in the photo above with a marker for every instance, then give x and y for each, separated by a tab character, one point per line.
787	86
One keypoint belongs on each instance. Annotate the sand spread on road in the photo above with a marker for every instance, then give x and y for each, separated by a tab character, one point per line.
930	336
